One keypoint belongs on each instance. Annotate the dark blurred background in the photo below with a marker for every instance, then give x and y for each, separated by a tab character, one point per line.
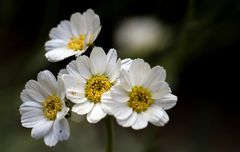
196	41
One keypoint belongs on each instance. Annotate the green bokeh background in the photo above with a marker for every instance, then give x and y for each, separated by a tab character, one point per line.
201	63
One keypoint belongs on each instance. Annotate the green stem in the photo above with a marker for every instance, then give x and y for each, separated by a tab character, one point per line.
109	128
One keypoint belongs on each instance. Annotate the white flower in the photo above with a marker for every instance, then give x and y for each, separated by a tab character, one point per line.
73	37
44	110
141	97
88	79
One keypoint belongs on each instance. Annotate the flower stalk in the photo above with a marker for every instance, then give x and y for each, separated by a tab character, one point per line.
109	131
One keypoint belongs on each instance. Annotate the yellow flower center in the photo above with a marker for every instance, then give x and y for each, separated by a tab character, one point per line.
96	86
76	43
140	99
51	105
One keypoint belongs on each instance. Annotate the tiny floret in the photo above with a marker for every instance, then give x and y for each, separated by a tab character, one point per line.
51	106
140	99
76	43
96	86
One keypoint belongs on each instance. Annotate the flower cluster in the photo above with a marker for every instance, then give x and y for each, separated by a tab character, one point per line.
99	85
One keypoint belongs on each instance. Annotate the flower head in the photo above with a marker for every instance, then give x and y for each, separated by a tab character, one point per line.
141	96
44	110
72	37
88	79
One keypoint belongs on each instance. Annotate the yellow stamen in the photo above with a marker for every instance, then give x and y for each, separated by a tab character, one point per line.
51	105
140	99
96	86
76	43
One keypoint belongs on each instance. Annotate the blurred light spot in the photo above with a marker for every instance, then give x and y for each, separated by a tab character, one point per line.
141	36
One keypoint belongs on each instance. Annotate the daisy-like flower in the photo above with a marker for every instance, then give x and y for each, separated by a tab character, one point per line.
88	79
141	97
72	37
44	110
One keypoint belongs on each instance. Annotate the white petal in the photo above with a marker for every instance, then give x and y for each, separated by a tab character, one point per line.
36	95
36	105
31	114
80	52
71	81
61	129
61	114
156	115
88	39
50	139
47	81
111	57
125	80
159	90
157	74
25	96
122	112
41	129
60	88
76	95
63	31
126	63
61	91
31	118
65	26
83	108
108	105
58	54
92	20
98	61
168	101
55	44
119	94
114	72
96	114
111	62
140	122
83	64
72	69
62	72
128	121
112	106
29	106
78	24
34	90
94	35
139	71
58	34
32	85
